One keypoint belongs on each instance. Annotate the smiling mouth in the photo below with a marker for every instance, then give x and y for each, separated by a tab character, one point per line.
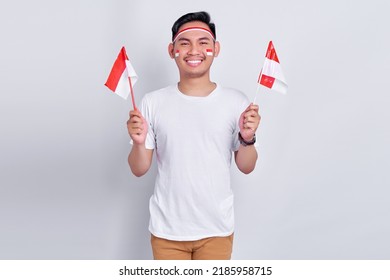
194	62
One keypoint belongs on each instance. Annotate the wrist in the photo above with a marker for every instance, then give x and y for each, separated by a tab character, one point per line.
244	142
139	145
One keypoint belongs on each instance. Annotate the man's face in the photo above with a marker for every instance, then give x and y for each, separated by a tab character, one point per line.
194	50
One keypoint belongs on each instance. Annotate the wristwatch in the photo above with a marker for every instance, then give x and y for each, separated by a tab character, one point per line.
246	143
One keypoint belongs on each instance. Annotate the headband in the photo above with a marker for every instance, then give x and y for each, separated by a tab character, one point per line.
191	29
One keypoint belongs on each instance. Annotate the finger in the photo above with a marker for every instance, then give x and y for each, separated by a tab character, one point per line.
136	119
251	126
135	113
135	125
253	120
132	123
251	114
135	131
252	107
249	119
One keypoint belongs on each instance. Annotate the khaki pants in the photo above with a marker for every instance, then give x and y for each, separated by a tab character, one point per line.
212	248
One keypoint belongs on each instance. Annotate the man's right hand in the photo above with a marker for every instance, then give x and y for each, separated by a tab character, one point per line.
137	127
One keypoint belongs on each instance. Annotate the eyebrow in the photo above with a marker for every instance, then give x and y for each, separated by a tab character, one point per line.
183	39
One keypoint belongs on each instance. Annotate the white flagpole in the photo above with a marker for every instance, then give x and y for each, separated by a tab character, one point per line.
258	85
257	90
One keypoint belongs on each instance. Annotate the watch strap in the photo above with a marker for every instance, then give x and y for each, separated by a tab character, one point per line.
246	143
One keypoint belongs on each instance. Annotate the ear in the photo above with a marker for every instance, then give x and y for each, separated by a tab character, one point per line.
170	50
217	48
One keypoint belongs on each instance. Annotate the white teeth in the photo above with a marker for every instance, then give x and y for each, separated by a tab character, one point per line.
194	61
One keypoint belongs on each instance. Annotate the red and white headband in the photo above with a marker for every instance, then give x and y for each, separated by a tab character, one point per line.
193	29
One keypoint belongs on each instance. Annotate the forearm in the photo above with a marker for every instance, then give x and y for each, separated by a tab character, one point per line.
140	159
246	158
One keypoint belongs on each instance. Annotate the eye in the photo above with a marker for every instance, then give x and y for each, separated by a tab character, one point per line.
184	44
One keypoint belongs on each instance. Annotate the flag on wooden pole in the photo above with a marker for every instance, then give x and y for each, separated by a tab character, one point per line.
271	75
122	77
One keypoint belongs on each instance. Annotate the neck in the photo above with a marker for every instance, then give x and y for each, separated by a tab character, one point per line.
196	86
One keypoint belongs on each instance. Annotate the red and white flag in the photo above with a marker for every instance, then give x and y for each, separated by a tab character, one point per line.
122	76
271	76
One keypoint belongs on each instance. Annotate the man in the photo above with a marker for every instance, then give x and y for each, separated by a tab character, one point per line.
194	127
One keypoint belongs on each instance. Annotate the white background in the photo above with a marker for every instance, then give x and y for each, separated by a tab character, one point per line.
321	186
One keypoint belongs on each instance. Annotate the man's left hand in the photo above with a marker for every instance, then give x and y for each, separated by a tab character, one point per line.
249	122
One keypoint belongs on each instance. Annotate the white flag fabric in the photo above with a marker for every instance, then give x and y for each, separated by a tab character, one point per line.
271	75
122	76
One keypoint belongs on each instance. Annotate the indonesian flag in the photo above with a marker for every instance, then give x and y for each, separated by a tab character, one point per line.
209	52
271	76
122	76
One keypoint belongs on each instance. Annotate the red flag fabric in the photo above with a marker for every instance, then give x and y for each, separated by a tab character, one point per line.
122	76
271	75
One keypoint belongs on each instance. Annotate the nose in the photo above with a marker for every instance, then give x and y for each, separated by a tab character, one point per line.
194	50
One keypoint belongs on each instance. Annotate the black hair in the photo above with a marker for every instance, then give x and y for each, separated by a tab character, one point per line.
197	16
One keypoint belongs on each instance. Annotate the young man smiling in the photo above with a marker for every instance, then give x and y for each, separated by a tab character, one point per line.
194	127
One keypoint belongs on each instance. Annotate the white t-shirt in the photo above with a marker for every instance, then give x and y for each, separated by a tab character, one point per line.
193	138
